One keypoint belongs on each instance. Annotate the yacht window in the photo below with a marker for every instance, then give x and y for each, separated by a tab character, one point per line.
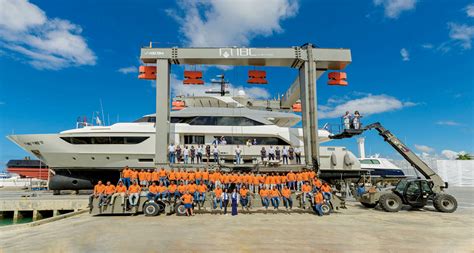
181	119
242	140
105	140
194	139
369	161
224	121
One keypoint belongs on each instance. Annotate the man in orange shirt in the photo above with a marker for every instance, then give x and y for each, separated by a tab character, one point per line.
244	199
182	189
188	203
217	197
264	196
172	176
275	195
299	181
205	178
201	189
291	180
108	192
126	173
120	190
134	194
163	178
162	192
184	176
148	177
133	176
191	176
318	202
306	193
142	178
155	176
287	201
317	183
173	190
192	189
99	190
152	192
198	176
326	190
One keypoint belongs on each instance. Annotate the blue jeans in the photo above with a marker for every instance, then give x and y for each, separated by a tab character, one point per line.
151	196
202	196
291	185
162	195
288	202
275	202
185	159
327	195
218	200
237	159
318	209
171	155
244	201
196	196
198	181
163	181
265	202
216	157
126	181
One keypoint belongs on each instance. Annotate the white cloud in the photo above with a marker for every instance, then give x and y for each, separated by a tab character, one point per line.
230	22
424	148
393	8
448	123
370	104
450	154
462	34
405	55
470	10
49	43
128	70
178	88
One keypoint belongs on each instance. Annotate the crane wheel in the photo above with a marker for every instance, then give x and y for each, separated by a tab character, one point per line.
390	202
445	203
151	209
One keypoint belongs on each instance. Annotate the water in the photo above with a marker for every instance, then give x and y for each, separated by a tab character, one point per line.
9	221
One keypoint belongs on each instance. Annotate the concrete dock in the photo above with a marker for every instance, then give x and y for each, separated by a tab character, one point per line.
356	229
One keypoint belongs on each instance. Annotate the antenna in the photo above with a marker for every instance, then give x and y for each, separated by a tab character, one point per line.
102	109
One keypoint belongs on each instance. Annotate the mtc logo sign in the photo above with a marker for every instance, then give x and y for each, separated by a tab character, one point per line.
236	52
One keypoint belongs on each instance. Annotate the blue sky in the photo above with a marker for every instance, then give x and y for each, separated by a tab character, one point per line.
412	64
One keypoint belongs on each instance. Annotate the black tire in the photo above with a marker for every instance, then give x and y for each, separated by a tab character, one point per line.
445	203
161	206
369	205
151	209
326	209
390	202
180	210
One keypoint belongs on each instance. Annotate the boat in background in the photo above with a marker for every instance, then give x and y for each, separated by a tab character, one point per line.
27	168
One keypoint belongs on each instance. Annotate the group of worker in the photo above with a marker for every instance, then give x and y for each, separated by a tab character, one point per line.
191	187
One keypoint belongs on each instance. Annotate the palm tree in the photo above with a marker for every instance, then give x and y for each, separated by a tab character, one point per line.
465	156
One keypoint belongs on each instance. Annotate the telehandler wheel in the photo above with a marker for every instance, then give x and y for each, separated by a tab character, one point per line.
326	208
151	209
370	205
180	210
445	203
390	202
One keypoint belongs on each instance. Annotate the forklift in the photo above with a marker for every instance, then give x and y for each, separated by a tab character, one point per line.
413	192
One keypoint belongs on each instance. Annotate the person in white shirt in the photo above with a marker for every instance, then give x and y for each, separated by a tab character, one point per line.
238	151
186	154
200	151
271	153
171	151
298	155
347	120
215	152
284	153
356	120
